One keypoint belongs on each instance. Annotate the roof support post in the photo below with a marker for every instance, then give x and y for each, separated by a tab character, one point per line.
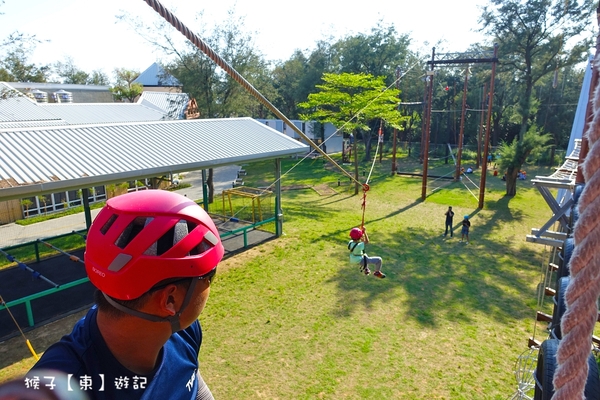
85	197
204	191
278	211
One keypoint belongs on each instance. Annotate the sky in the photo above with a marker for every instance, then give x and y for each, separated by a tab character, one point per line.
89	32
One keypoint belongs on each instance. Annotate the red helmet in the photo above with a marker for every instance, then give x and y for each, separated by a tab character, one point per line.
356	233
142	238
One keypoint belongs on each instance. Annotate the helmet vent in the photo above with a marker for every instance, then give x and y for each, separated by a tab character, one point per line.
131	231
108	224
203	246
171	238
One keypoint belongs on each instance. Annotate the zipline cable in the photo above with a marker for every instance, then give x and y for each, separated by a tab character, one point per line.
206	49
342	127
3	303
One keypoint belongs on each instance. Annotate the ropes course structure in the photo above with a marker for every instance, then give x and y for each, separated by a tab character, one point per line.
453	59
583	290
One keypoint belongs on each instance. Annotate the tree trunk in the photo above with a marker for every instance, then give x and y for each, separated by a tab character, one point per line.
511	181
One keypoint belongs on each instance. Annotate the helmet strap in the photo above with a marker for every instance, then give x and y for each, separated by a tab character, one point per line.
172	319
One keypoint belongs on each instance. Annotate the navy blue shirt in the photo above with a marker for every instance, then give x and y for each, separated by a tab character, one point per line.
91	367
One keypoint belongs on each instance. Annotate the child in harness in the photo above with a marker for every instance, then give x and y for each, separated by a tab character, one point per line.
358	256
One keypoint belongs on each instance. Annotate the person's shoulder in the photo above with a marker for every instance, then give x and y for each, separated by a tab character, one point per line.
66	355
192	335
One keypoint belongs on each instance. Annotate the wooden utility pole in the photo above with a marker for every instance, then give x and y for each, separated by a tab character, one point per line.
425	140
394	143
480	134
462	126
486	146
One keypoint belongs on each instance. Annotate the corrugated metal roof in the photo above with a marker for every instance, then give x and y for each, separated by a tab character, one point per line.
103	113
37	161
18	107
172	104
155	75
53	87
30	124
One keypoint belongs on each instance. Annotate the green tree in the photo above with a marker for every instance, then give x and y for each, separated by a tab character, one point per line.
297	77
534	38
98	77
125	88
514	155
558	95
26	203
16	68
352	102
378	53
69	72
42	199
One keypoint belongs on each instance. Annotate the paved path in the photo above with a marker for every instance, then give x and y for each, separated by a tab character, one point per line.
13	234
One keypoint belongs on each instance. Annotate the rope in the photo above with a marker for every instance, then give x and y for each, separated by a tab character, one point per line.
578	322
206	49
3	303
366	184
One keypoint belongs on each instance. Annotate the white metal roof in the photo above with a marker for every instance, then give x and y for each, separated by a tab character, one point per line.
155	75
16	107
102	113
45	160
172	104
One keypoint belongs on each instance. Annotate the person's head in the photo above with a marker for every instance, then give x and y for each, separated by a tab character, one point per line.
356	233
152	246
466	217
450	208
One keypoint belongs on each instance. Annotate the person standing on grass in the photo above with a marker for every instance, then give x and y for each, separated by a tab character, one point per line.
358	256
449	215
151	255
466	225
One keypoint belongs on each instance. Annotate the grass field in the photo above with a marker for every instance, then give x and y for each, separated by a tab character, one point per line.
292	319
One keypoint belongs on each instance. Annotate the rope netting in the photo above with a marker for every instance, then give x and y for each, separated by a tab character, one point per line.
582	293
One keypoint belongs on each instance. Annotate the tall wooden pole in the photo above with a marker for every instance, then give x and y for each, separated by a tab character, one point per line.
427	127
462	126
394	145
479	134
486	147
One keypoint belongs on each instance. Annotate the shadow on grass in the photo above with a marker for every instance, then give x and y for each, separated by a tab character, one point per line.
441	278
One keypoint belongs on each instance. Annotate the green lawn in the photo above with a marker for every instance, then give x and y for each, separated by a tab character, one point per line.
291	319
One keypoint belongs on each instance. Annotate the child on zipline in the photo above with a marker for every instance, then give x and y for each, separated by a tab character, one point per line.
357	253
